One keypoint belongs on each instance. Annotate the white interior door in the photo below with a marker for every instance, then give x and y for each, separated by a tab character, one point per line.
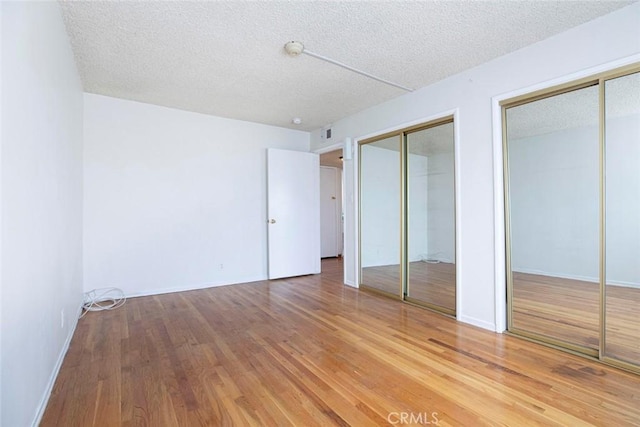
329	212
294	213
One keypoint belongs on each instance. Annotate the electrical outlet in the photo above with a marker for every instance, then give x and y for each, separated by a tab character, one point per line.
62	318
221	266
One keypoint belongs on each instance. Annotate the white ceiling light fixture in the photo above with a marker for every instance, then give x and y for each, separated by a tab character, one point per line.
296	120
295	48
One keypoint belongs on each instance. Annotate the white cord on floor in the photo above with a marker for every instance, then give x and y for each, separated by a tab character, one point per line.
102	299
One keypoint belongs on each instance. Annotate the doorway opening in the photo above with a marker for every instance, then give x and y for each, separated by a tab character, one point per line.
331	205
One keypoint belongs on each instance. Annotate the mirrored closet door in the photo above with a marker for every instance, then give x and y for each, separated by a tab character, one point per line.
407	215
380	225
431	231
622	219
572	201
553	197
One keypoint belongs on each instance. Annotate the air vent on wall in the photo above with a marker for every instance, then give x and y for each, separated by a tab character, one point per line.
326	132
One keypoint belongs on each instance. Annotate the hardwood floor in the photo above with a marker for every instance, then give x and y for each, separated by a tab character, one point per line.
623	323
569	310
384	278
434	283
564	309
309	351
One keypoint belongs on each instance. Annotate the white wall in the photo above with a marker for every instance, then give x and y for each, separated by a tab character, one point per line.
431	208
172	199
1	134
555	203
349	254
441	201
41	204
600	41
418	213
623	200
340	212
554	190
380	222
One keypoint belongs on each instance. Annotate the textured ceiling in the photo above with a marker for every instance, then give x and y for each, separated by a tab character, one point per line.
427	142
431	141
575	109
226	58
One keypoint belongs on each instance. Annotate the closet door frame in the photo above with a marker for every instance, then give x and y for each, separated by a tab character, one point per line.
599	80
401	225
402	285
602	356
407	298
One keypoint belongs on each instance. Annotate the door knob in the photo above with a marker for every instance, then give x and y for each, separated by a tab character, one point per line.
273	221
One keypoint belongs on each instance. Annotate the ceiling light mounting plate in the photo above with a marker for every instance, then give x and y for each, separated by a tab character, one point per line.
294	48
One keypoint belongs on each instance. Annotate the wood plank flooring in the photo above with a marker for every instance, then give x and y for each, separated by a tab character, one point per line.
557	307
564	309
309	351
434	283
568	310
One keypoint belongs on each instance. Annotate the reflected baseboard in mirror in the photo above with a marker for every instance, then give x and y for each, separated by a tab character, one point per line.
384	278
568	310
431	283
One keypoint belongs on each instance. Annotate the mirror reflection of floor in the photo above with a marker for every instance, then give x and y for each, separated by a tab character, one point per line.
568	310
434	283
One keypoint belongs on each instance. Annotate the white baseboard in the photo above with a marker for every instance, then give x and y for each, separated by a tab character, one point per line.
623	284
191	287
558	275
56	370
576	277
205	286
477	322
351	283
437	261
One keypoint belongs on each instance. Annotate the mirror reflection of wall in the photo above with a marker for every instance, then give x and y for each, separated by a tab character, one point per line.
622	216
553	149
431	217
572	187
380	208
